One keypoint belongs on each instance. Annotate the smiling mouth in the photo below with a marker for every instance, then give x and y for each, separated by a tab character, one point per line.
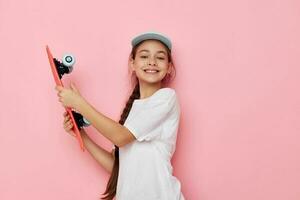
152	71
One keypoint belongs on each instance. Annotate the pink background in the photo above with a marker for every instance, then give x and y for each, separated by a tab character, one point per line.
237	81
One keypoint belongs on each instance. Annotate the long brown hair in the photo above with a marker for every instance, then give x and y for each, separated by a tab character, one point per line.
111	187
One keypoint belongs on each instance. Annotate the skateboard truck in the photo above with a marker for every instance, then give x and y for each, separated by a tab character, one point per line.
80	120
66	66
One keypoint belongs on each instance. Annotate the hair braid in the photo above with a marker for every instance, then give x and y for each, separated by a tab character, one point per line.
111	187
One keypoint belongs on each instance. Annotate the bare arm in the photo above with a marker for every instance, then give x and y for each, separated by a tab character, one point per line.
103	157
113	131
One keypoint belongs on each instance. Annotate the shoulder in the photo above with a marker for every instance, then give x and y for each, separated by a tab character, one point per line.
164	97
165	93
161	95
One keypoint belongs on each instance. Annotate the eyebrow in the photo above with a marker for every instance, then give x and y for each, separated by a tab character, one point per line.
149	51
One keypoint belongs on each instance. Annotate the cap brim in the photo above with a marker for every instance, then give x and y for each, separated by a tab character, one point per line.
152	36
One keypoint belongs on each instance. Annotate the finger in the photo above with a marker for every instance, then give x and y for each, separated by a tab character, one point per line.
70	130
69	125
59	88
66	115
72	133
73	87
67	122
66	119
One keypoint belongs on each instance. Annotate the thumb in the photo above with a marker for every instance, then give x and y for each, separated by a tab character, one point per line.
73	87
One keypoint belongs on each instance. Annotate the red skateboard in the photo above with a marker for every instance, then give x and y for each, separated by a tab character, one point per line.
58	70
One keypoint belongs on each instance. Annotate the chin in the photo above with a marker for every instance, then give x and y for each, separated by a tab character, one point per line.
151	81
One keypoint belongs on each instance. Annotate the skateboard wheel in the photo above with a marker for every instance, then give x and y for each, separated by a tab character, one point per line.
68	60
80	120
86	122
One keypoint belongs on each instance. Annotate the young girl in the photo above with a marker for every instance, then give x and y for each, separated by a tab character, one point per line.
145	136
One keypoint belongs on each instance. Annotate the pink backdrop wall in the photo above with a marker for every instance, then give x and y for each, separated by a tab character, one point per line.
237	81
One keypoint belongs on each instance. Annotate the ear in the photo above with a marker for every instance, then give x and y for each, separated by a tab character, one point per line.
170	65
131	63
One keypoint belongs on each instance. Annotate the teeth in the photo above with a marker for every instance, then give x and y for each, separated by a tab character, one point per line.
151	71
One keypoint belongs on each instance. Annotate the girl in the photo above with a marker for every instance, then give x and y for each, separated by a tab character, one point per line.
145	136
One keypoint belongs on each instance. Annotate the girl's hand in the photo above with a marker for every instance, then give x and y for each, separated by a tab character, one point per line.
69	97
68	125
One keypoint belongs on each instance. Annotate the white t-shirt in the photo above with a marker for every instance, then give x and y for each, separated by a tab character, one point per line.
145	170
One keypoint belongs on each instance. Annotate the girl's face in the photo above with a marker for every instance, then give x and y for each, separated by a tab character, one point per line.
151	62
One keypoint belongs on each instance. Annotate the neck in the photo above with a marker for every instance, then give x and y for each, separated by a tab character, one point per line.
146	89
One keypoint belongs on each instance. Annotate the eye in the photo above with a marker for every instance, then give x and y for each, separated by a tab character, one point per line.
161	58
143	56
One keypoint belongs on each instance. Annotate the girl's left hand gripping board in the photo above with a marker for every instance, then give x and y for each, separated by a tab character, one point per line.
58	70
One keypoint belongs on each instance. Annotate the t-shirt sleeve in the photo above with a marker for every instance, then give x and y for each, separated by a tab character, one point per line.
147	123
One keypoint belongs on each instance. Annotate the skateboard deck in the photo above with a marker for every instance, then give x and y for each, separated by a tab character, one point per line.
58	82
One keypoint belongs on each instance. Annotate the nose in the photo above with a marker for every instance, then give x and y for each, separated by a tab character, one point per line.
152	61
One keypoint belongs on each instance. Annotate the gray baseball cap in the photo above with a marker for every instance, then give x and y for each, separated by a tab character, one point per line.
151	35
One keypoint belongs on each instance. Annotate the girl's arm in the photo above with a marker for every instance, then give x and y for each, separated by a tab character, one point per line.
118	134
103	157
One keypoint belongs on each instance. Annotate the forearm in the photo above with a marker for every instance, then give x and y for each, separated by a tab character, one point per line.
110	129
103	157
118	134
